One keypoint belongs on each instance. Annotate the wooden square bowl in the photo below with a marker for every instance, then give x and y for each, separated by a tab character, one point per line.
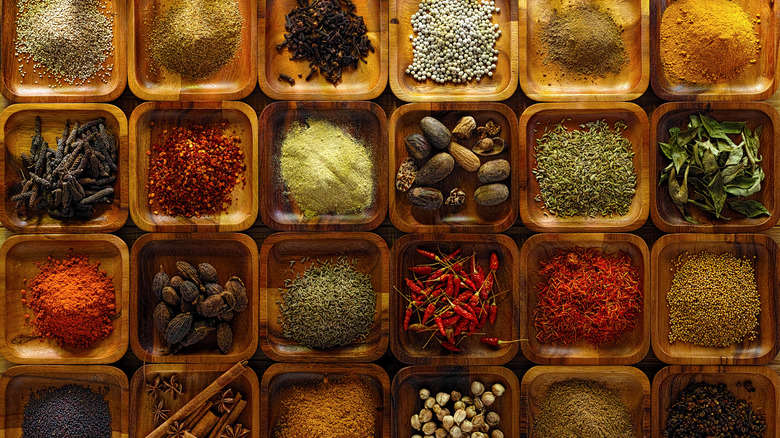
470	217
282	377
532	126
668	382
194	377
545	81
19	382
763	250
676	115
18	255
630	348
17	126
407	346
230	254
280	258
757	82
410	380
150	120
364	121
630	384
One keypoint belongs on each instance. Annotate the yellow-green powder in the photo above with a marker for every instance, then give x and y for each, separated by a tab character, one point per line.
326	170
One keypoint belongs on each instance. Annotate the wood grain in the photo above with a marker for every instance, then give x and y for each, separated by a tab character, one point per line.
149	122
630	348
17	126
280	259
763	251
532	126
230	254
470	217
677	114
18	256
545	81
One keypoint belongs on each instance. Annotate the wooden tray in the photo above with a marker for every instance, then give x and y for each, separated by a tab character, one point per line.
676	114
194	378
631	385
366	82
164	115
230	254
532	125
35	88
410	380
757	82
281	376
500	87
631	348
540	81
469	218
280	258
365	121
18	255
407	346
668	382
234	81
17	126
764	251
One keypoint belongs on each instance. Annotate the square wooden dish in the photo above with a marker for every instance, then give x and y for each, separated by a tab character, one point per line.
470	217
364	121
410	380
19	382
532	126
18	255
17	126
230	254
499	87
630	384
194	377
366	82
668	382
630	348
757	82
545	81
280	257
407	346
233	81
27	86
282	377
763	251
677	114
148	123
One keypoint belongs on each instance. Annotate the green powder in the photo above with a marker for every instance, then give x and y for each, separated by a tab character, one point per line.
326	170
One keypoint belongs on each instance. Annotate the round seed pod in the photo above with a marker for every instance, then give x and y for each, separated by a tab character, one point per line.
188	272
236	286
211	307
229	298
170	296
493	171
227	315
207	273
224	337
162	316
199	332
176	282
426	198
160	281
187	306
436	169
212	289
189	291
178	328
491	194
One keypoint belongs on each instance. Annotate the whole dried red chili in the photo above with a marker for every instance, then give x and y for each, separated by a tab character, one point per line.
440	325
421	270
427	254
408	317
449	346
495	342
493	262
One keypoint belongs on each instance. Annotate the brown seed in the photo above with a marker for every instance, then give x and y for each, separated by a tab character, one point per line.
176	282
178	328
227	315
436	133
491	194
212	289
493	171
188	272
425	197
207	273
189	291
236	286
211	306
170	296
417	146
224	337
199	332
159	282
229	298
162	316
436	169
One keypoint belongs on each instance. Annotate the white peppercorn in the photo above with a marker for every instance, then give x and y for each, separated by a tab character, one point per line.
460	415
448	421
440	433
429	402
455	396
459	405
416	424
455	432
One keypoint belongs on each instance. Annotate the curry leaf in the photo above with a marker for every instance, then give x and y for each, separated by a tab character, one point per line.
749	208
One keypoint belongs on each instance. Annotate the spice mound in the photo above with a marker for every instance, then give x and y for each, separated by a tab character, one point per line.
707	41
472	416
72	300
713	300
72	411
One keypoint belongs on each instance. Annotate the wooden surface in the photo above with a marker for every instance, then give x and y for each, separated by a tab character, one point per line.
230	254
18	256
677	114
17	126
280	259
533	123
629	348
544	81
763	252
470	217
366	122
149	124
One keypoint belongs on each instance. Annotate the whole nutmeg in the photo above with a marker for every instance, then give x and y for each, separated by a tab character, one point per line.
497	389
459	405
471	411
466	426
424	394
477	388
425	415
487	398
448	421
440	433
496	434
455	432
455	396
460	415
442	398
417	146
437	134
492	419
416	422
429	402
429	428
478	420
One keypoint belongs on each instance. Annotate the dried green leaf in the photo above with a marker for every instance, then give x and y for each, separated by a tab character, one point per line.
749	208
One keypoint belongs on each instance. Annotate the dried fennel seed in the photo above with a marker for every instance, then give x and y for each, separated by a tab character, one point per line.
713	300
330	305
588	172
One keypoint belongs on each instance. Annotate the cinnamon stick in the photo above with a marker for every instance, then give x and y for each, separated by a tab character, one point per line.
205	425
215	432
189	435
234	413
195	417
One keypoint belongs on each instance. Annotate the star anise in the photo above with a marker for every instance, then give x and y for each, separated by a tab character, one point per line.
172	386
225	401
236	431
159	412
176	430
154	387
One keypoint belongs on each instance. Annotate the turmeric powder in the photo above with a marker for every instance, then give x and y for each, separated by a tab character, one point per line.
707	41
